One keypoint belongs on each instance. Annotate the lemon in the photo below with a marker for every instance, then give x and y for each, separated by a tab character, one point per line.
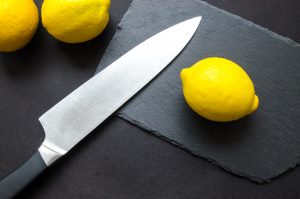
75	21
18	23
219	90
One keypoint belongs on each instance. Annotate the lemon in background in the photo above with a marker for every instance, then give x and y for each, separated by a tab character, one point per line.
18	23
75	21
219	90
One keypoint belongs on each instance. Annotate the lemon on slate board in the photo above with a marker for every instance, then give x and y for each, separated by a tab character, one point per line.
75	21
18	23
219	90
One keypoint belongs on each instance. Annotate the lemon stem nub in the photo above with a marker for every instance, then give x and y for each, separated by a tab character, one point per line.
254	105
183	74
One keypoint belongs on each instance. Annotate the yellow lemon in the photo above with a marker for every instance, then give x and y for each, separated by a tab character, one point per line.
75	21
219	90
18	23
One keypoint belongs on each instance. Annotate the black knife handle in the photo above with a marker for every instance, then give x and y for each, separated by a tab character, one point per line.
12	184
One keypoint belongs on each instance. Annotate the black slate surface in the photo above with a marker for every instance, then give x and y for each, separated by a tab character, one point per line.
259	147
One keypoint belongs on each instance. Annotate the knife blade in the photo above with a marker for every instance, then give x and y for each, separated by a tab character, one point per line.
74	117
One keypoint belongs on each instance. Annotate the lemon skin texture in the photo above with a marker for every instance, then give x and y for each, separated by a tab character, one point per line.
75	21
219	90
18	23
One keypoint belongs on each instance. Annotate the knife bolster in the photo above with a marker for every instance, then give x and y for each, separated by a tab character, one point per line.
50	153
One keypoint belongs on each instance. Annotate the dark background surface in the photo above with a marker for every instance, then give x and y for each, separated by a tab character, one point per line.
117	160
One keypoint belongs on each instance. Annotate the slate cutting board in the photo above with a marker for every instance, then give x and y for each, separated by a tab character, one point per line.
260	147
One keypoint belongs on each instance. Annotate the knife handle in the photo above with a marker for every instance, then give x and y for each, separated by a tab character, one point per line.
18	179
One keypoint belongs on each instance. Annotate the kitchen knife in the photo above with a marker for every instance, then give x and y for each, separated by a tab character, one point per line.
74	117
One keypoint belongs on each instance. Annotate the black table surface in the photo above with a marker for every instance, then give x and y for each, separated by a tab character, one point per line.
118	160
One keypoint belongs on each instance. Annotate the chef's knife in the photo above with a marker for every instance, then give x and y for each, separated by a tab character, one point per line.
74	117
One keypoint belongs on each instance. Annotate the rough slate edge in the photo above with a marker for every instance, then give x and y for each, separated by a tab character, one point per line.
155	133
210	160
